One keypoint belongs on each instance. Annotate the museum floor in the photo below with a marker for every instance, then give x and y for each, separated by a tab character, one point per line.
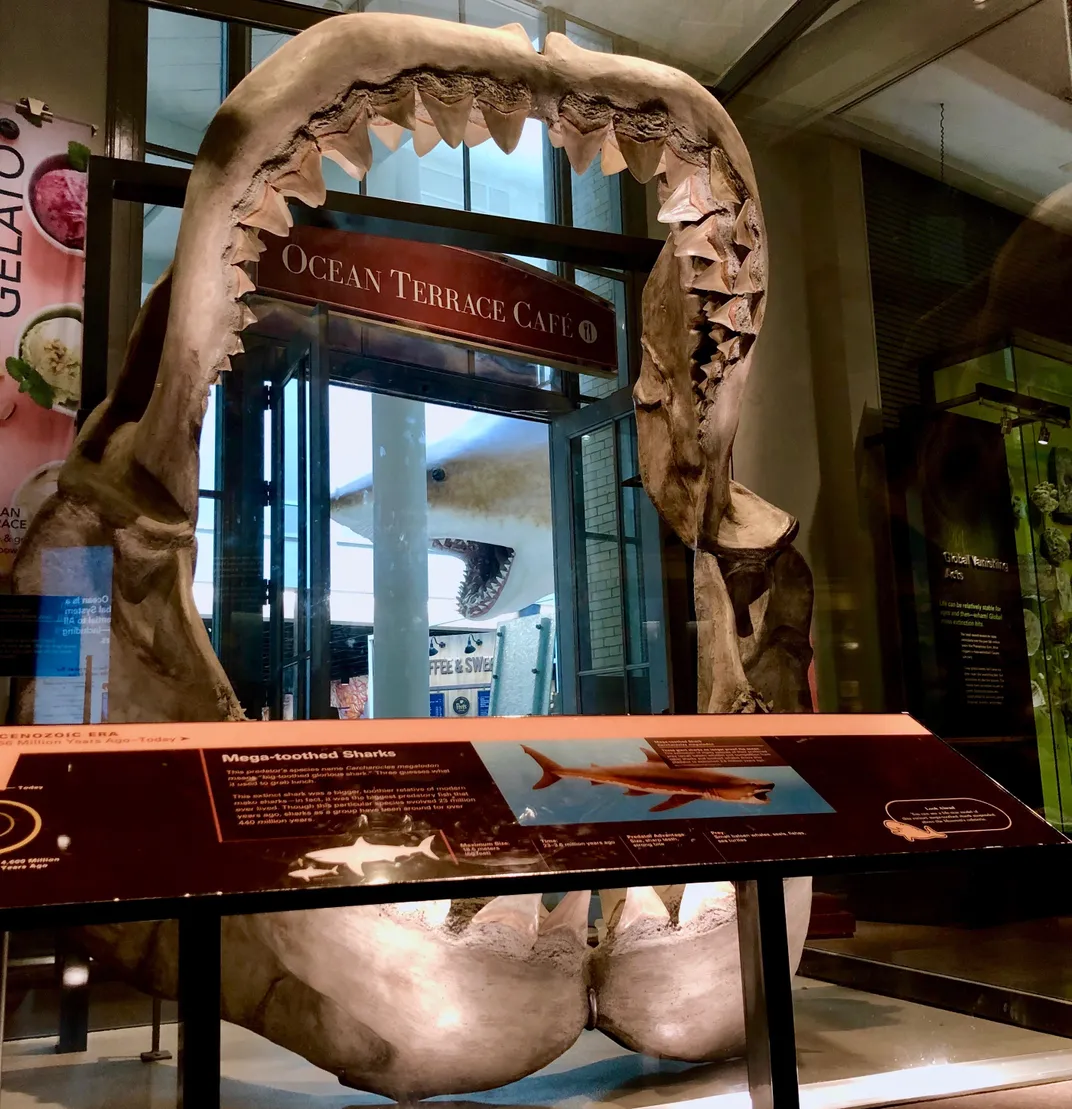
855	1050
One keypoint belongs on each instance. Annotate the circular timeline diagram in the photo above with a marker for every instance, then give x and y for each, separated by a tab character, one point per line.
19	824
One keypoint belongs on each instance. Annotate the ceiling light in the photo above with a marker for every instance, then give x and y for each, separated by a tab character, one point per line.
1043	436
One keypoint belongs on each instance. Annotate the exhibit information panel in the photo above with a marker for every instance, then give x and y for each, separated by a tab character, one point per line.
92	814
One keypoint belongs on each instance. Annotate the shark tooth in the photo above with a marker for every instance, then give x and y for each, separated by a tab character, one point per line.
306	182
505	127
246	316
722	179
642	158
521	912
713	280
475	132
690	201
450	118
714	369
242	282
641	904
692	241
571	913
745	230
270	214
245	246
759	310
235	345
675	168
735	314
390	134
400	109
611	160
581	146
425	138
700	897
431	913
750	279
730	349
351	149
515	30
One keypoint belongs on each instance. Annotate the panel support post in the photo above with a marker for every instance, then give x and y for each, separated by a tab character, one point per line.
768	994
199	1010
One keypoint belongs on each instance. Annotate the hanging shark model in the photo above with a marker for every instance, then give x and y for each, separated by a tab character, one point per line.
489	503
360	853
684	785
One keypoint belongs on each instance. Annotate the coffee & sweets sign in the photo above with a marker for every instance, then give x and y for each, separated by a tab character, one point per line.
485	299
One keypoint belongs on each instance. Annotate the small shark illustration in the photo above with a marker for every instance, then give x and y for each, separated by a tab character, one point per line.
360	853
654	776
312	872
911	833
489	504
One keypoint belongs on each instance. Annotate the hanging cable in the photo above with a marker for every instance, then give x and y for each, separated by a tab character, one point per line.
941	131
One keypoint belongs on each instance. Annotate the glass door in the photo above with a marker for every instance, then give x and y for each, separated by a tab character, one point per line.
298	496
612	649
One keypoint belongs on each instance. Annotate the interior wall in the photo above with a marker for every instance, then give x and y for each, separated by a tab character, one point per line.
57	51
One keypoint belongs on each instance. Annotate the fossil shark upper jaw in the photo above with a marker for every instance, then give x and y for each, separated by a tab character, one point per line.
309	96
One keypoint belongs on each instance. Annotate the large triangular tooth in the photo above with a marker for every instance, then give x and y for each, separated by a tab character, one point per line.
505	127
744	233
521	912
306	182
270	214
690	201
730	349
246	316
390	134
581	146
352	150
515	30
245	246
450	118
759	310
641	904
476	131
735	314
722	178
571	913
700	897
426	137
611	160
642	158
234	346
713	280
751	278
677	169
692	241
400	109
241	282
430	913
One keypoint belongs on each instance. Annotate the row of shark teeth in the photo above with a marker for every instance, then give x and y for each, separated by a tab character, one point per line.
717	231
474	603
523	914
643	908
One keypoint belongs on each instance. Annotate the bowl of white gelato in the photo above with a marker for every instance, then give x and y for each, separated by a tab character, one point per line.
47	359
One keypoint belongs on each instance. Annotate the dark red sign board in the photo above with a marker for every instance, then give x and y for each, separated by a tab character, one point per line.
486	299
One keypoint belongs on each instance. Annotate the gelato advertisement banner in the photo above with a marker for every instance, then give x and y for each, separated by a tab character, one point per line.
43	178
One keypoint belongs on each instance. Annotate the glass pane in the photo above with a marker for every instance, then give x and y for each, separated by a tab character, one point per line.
160	231
498	13
205	566
602	694
265	43
186	78
513	185
437	9
632	551
209	445
437	178
613	290
599	600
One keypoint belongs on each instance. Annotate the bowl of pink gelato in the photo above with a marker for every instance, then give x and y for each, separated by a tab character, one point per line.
57	193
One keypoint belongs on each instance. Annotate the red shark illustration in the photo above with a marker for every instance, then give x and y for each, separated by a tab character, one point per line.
654	776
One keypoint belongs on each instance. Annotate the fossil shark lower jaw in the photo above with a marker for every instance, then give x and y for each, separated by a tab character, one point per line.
327	91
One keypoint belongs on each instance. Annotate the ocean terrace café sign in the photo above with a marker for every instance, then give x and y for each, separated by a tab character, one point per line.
486	299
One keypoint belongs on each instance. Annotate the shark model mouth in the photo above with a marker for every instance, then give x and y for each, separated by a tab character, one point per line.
487	567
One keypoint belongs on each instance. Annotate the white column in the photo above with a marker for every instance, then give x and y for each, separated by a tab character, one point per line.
399	559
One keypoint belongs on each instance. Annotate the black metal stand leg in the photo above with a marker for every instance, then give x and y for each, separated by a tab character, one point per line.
154	1054
199	1011
3	999
73	969
768	995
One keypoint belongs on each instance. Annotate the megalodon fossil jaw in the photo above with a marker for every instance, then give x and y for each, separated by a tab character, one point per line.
321	92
